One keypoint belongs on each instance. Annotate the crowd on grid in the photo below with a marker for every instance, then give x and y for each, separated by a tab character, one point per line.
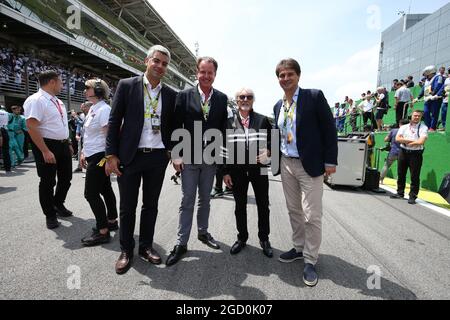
15	65
373	106
134	140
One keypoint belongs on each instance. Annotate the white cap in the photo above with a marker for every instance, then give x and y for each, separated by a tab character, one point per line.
429	70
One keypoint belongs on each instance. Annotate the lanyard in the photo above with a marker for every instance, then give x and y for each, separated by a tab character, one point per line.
289	111
153	103
206	108
59	109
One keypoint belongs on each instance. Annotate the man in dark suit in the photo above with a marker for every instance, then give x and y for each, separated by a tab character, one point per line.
137	146
308	151
203	108
248	133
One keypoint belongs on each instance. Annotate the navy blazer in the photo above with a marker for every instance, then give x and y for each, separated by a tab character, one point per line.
316	131
188	111
126	121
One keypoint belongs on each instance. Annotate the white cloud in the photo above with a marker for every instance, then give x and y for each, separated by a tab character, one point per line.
350	78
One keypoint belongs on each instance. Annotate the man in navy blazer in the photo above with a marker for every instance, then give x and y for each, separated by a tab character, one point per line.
137	145
308	150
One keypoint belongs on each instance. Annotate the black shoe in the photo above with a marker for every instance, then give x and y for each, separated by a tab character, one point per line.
96	239
267	248
52	223
209	241
63	212
113	226
412	201
397	196
291	256
217	193
228	191
78	170
175	255
237	247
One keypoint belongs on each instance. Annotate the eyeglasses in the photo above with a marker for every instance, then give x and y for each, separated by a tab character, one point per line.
249	98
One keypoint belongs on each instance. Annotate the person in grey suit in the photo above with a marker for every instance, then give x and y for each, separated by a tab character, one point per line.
206	107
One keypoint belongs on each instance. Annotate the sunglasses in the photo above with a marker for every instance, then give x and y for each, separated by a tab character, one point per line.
243	97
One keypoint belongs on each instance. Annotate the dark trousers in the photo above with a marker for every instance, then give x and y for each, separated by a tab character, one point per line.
411	160
219	179
98	183
26	144
241	177
401	112
5	150
353	120
369	116
149	168
48	198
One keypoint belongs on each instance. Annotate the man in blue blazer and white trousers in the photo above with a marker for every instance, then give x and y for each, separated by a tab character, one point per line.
308	150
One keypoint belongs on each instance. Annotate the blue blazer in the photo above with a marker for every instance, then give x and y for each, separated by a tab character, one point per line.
316	131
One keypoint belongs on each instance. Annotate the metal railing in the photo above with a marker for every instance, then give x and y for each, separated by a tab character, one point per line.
27	87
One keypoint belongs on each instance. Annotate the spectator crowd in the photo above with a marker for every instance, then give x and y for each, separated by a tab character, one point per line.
372	107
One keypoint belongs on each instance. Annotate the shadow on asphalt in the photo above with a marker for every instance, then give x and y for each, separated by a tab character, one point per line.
250	199
350	276
5	190
14	173
80	228
208	275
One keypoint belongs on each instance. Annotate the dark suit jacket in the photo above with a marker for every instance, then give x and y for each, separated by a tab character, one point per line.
188	111
316	131
259	124
126	121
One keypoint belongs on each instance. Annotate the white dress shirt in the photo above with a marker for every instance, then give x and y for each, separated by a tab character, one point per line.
150	138
414	133
52	120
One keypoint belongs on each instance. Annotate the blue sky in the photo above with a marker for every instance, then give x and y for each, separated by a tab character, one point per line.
336	42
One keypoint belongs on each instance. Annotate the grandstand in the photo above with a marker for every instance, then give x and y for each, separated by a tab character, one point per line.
83	39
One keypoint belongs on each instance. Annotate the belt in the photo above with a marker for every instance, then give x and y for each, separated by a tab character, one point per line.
296	158
148	150
57	141
412	151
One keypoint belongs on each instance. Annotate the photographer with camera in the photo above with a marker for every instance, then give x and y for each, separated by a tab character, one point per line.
393	147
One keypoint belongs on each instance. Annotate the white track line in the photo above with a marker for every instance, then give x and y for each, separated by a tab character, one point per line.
425	204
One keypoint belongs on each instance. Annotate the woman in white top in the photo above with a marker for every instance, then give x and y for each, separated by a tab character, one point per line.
97	183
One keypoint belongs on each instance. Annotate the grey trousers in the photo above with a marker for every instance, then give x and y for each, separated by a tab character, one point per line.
193	177
389	162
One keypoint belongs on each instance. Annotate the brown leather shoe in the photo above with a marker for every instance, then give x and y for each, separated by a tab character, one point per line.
150	255
123	264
